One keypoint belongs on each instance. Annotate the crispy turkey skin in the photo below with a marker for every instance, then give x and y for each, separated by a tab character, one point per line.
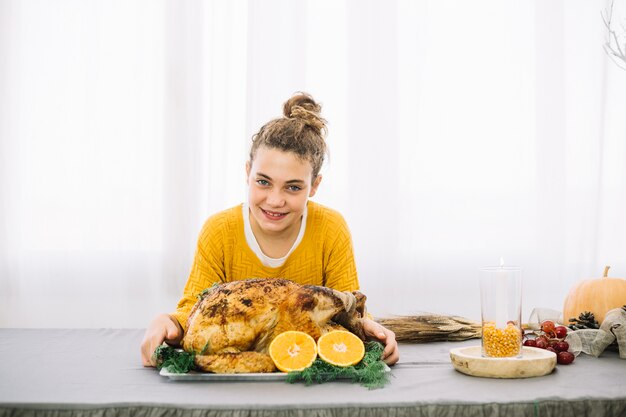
232	325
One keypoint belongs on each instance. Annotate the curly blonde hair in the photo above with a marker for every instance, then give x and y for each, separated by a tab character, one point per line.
301	131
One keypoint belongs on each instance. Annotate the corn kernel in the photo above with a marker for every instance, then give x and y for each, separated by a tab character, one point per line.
501	343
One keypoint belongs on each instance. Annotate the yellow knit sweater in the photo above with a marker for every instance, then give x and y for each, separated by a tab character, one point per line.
324	256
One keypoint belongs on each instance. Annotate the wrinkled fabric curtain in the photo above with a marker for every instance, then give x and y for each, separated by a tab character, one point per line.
459	133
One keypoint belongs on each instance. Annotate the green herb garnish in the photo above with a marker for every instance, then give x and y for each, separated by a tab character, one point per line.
206	291
371	372
174	360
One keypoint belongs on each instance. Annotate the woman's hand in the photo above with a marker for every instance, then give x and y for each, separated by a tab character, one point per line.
378	332
164	328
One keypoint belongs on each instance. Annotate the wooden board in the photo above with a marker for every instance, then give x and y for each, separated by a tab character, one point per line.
533	362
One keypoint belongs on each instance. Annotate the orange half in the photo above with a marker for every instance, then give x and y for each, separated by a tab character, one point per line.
340	348
293	351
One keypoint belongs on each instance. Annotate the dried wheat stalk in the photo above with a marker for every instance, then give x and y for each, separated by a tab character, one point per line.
431	328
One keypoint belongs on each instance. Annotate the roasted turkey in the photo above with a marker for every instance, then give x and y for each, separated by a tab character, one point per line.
232	325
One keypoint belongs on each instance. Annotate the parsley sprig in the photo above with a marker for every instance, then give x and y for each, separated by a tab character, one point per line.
174	360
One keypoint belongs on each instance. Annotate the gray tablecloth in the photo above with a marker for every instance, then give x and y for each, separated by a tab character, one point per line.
98	372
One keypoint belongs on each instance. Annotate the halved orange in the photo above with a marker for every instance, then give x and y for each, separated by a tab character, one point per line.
340	348
293	351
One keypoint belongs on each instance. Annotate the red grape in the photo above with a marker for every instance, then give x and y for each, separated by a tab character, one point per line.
565	358
530	342
548	327
561	331
541	343
551	349
561	346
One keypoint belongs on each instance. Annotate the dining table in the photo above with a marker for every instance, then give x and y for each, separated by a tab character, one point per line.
99	372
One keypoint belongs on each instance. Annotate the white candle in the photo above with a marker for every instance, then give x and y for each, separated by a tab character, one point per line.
501	296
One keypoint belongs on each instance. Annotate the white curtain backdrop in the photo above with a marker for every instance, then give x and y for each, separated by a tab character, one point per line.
459	132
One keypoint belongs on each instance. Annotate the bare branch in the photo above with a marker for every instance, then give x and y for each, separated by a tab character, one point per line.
607	19
612	46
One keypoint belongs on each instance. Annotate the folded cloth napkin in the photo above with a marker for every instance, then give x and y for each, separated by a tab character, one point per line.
590	341
595	341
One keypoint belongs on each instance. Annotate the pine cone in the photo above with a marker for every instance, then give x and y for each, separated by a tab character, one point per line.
585	320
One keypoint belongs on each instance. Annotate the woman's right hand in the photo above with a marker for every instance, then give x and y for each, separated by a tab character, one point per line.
164	328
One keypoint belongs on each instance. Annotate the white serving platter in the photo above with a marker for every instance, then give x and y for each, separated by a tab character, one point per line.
533	362
207	376
202	376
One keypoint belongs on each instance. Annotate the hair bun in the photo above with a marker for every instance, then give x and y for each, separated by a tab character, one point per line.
301	131
302	106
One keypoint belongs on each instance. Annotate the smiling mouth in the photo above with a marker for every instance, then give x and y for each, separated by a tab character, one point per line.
274	215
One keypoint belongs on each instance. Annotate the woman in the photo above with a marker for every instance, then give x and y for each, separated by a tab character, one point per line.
278	232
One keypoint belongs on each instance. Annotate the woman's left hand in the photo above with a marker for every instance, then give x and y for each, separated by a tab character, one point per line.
378	332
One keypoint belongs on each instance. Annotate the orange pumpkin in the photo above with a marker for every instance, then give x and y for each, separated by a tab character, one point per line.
595	295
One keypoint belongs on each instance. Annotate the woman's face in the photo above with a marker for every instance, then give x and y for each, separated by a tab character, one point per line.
279	186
